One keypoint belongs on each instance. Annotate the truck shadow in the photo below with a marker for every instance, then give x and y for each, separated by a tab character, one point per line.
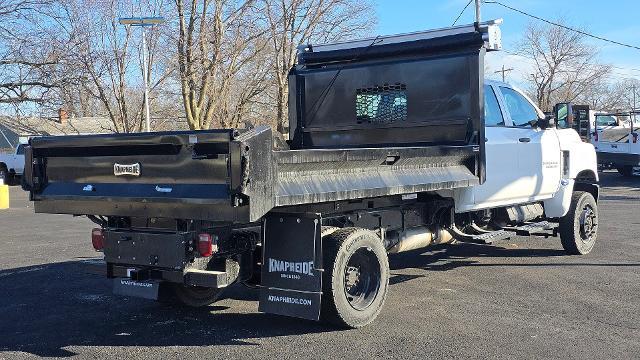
610	179
450	257
48	310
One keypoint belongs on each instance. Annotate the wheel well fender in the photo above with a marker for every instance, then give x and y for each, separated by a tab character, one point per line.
586	181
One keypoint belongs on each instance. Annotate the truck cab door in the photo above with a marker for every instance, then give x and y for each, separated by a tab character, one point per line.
538	149
501	158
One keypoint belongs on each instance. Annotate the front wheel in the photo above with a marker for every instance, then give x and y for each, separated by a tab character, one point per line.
355	278
579	227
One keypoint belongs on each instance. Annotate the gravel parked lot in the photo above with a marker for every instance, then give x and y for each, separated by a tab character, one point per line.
523	298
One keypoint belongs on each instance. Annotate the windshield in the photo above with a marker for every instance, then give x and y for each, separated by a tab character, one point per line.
606	120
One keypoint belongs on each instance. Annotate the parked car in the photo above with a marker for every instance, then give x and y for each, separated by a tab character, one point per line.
12	165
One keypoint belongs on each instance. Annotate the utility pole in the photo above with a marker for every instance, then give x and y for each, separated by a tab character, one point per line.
503	71
143	22
633	110
478	11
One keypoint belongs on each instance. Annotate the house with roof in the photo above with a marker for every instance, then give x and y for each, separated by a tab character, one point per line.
14	131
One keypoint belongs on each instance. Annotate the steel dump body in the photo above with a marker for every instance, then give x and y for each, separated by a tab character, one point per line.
387	117
238	181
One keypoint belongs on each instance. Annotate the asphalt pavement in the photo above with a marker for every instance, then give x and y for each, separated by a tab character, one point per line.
522	298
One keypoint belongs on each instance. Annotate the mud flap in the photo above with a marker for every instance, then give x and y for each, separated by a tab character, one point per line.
291	265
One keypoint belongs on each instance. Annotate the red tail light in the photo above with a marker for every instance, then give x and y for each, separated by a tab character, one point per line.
97	239
207	244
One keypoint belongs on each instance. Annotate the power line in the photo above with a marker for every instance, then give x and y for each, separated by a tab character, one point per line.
562	26
593	66
461	12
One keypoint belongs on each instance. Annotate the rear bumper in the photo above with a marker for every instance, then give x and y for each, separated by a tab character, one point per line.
205	278
618	159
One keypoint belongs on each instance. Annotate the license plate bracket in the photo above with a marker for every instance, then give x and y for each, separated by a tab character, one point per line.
141	289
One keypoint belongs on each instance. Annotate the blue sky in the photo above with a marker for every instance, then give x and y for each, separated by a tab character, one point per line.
614	19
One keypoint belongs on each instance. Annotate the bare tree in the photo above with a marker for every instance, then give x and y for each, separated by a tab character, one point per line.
28	61
107	56
295	22
565	67
218	44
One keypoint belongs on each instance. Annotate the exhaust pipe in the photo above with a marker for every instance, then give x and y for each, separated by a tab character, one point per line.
417	238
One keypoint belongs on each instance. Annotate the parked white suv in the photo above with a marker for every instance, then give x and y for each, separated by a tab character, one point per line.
12	165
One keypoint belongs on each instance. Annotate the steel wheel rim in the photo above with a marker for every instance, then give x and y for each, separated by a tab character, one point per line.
588	224
362	277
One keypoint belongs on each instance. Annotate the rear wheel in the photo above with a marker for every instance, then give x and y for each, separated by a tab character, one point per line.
198	296
195	296
579	227
626	171
355	278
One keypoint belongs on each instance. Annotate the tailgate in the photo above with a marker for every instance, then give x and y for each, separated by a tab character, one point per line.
191	174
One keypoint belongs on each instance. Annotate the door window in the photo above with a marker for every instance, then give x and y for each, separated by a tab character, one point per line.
492	113
521	111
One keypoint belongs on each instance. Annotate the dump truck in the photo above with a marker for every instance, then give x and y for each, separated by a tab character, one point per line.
395	143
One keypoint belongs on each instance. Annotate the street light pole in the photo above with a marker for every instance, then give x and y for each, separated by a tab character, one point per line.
145	74
143	22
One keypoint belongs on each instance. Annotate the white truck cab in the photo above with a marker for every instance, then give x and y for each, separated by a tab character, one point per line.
524	162
534	170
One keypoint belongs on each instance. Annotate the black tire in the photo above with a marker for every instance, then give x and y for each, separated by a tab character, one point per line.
355	279
13	179
198	296
195	296
626	171
579	227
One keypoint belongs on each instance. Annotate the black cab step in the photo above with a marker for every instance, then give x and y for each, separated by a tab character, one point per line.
486	238
538	228
541	228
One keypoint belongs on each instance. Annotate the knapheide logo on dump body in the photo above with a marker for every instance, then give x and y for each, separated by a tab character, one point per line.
126	169
289	300
305	267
